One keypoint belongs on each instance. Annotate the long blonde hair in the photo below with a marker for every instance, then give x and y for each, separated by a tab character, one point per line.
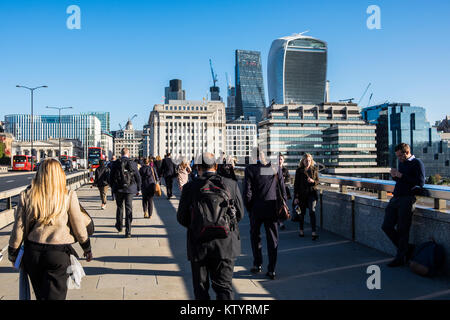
48	194
305	156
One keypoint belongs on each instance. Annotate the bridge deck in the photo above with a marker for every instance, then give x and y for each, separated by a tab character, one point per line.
153	264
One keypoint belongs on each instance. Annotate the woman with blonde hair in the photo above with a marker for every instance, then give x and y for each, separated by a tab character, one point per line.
48	220
305	192
183	173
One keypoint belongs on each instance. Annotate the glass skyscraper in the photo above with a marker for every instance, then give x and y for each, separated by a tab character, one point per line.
297	70
104	118
250	96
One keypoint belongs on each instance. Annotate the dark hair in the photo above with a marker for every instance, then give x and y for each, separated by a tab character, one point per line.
146	161
403	147
101	163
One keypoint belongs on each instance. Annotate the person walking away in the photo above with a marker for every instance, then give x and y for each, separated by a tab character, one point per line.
212	255
260	200
158	164
183	174
284	172
101	181
226	169
149	178
305	193
42	219
168	172
126	182
110	164
409	178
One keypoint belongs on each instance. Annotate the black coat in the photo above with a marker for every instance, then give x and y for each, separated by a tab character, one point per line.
168	168
227	171
101	176
147	179
260	186
303	189
228	248
135	187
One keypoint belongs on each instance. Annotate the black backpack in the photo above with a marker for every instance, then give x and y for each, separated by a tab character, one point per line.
428	259
123	176
213	214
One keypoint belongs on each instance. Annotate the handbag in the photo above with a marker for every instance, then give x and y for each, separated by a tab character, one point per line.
282	208
157	186
88	222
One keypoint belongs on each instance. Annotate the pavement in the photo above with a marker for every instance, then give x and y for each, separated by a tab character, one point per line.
152	265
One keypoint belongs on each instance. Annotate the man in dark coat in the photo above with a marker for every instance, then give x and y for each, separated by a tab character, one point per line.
215	258
101	181
168	172
260	200
125	193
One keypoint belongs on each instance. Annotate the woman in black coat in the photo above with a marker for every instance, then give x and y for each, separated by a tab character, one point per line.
305	192
149	178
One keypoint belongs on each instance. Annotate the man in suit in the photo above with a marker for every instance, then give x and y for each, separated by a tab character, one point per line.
125	192
214	258
168	172
260	200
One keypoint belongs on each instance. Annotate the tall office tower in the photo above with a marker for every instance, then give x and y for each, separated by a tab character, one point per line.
104	118
297	70
215	94
231	103
401	122
250	98
174	91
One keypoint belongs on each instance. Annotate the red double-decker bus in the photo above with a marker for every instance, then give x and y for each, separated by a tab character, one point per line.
23	163
95	154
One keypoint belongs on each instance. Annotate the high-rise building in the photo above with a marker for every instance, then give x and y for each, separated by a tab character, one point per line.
231	104
186	128
241	139
86	128
402	123
250	97
174	91
297	70
104	118
333	133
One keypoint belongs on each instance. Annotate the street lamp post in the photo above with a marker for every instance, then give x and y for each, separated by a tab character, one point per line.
59	115
32	129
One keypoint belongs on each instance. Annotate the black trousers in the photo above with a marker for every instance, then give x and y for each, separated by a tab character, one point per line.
147	199
397	222
46	266
271	228
219	271
309	204
128	199
169	185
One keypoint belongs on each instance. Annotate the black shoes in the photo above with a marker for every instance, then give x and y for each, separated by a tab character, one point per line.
127	234
118	227
256	269
271	275
315	237
301	234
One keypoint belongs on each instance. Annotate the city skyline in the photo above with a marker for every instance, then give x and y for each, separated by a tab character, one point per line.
123	56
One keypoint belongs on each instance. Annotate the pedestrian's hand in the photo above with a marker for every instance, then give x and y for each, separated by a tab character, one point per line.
88	256
295	201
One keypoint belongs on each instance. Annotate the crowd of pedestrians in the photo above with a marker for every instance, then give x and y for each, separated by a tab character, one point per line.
49	219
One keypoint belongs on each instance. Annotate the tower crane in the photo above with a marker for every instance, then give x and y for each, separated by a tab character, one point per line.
364	94
214	76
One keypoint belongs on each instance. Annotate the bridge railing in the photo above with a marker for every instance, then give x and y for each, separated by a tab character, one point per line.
73	181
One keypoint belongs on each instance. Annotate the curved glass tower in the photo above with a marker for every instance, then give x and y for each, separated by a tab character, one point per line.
297	70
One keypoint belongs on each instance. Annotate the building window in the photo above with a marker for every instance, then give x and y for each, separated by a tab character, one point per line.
436	156
447	163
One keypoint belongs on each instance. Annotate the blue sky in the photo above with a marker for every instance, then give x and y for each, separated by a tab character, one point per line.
127	51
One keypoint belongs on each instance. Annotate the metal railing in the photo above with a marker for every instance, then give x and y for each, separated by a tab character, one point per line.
71	179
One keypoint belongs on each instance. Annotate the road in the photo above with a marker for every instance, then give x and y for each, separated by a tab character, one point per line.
13	180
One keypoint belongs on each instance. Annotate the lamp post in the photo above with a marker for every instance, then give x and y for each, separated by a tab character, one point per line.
59	115
32	129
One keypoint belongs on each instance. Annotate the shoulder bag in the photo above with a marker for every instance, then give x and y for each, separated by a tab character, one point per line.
157	186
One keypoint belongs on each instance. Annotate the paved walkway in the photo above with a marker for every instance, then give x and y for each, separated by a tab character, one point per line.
153	264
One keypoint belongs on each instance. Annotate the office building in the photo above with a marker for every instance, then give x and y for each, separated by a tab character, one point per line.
86	128
186	128
297	70
128	138
49	148
241	139
333	133
250	98
230	110
174	91
401	122
104	118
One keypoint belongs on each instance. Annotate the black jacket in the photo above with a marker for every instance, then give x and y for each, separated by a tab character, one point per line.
101	176
135	187
413	175
228	248
167	168
260	186
303	189
226	170
147	179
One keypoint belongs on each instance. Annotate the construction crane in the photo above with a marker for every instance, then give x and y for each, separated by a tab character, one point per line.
121	127
347	100
214	76
364	94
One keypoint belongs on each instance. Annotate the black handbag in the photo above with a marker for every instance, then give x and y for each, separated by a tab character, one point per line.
282	208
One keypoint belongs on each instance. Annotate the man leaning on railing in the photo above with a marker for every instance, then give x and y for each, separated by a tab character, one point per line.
409	178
